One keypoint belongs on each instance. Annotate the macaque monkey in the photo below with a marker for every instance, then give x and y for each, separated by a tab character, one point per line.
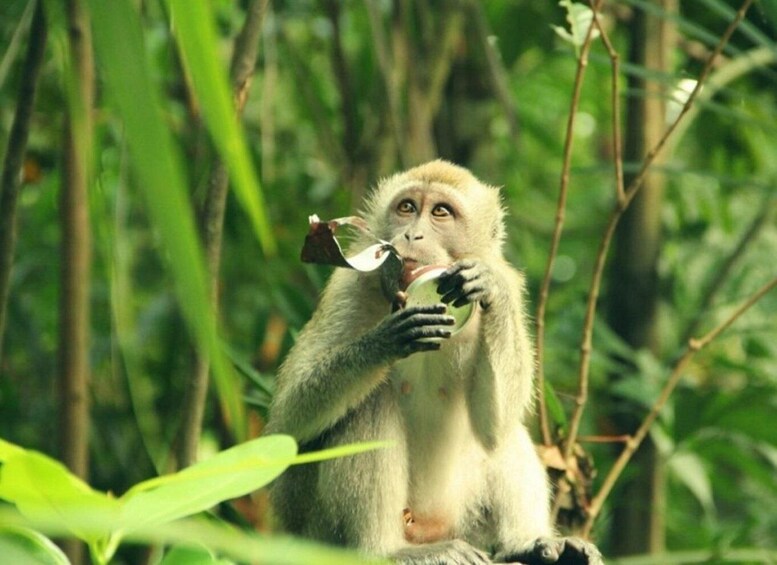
461	482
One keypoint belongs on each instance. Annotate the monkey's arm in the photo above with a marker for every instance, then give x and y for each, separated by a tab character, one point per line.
500	390
343	354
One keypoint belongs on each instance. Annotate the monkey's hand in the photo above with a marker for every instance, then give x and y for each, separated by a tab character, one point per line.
466	281
561	551
407	331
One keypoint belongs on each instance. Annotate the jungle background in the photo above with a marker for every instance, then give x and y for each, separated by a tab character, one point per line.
146	236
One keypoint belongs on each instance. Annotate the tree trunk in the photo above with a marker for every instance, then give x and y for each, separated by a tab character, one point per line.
76	253
639	517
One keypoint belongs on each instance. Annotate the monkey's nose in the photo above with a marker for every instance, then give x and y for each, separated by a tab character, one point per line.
409	236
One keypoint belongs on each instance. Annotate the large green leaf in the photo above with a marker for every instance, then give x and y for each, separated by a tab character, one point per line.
157	168
689	469
247	547
44	489
22	546
193	26
8	450
182	555
237	471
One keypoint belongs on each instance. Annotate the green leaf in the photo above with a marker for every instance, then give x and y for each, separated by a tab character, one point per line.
689	469
182	555
228	541
237	471
8	450
555	409
340	451
22	546
193	26
157	167
43	489
580	17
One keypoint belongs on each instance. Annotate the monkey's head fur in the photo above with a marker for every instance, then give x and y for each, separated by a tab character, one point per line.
437	213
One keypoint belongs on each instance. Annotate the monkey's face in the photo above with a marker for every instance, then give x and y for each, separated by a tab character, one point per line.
428	224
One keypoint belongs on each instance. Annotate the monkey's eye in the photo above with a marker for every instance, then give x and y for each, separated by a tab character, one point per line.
406	207
442	211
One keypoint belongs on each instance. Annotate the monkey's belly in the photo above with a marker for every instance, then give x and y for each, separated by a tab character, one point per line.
444	458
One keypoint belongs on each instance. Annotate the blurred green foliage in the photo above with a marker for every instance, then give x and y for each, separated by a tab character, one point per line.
318	132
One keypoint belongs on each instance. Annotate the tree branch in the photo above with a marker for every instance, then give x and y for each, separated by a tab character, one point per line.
615	216
582	65
601	258
694	346
616	105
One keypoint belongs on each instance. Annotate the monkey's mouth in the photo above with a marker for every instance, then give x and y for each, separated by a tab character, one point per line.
413	269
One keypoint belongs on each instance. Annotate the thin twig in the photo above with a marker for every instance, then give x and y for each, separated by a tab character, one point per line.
694	346
601	257
616	105
617	213
636	184
582	64
604	439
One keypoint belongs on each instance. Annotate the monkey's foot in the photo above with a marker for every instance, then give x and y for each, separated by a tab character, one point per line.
561	551
452	552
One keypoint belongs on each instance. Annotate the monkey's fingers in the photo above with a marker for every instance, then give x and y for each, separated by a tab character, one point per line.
425	321
412	311
426	332
459	266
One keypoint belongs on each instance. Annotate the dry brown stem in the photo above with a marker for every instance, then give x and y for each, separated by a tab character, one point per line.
616	215
582	64
617	145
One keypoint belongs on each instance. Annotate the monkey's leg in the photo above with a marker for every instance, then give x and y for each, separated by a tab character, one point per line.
520	495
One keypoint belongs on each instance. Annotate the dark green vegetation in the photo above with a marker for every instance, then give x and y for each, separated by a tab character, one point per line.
141	136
